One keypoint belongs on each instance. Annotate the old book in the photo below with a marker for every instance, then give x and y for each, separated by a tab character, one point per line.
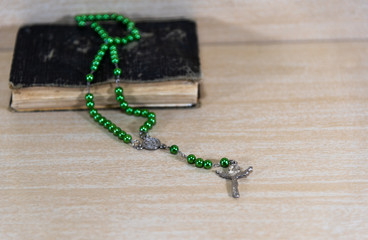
50	63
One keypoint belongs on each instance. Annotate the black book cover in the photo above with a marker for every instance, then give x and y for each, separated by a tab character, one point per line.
61	55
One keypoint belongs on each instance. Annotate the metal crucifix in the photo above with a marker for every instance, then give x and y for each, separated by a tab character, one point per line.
233	173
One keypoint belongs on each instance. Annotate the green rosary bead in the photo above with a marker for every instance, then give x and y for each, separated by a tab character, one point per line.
137	112
97	117
93	112
90	17
102	120
115	61
129	111
94	67
113	16
120	98
143	129
81	23
124	41
137	36
119	18
118	90
117	131
104	47
101	53
174	149
90	104
127	138
107	123
112	127
117	40
130	38
117	71
191	158
98	17
199	162
224	162
144	113
97	28
148	125
151	115
124	105
94	25
89	97
106	17
89	77
152	121
207	164
109	40
122	135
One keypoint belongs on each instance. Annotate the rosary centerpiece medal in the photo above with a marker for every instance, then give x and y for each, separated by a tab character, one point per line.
230	168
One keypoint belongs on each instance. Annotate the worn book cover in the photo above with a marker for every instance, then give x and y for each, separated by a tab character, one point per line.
50	63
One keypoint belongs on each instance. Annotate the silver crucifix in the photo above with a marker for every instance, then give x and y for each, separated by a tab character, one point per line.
233	172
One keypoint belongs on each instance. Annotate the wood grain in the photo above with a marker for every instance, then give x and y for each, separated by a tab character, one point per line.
220	21
296	111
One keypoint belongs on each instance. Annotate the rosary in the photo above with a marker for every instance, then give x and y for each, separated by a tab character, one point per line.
229	168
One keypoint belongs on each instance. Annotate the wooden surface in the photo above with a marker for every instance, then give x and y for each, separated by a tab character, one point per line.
297	111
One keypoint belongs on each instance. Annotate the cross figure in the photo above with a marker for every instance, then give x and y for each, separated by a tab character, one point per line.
233	172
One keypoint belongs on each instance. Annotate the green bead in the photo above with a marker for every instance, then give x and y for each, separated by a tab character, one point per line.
114	53
137	112
112	127
130	38
124	105
122	135
98	17
126	20
104	47
120	98
97	117
129	110
97	28
90	104
117	71
91	18
117	40
152	121
89	77
113	16
115	61
224	162
130	25
101	53
94	67
191	158
207	164
124	41
135	31
143	129
119	18
106	17
98	58
104	35
107	123
112	48
100	31
118	91
109	40
93	112
117	131
77	18
95	63
151	115
89	97
199	162
127	138
148	125
144	113
102	120
174	149
94	25
137	36
81	23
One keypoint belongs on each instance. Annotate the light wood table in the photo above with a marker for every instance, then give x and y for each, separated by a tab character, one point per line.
297	111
